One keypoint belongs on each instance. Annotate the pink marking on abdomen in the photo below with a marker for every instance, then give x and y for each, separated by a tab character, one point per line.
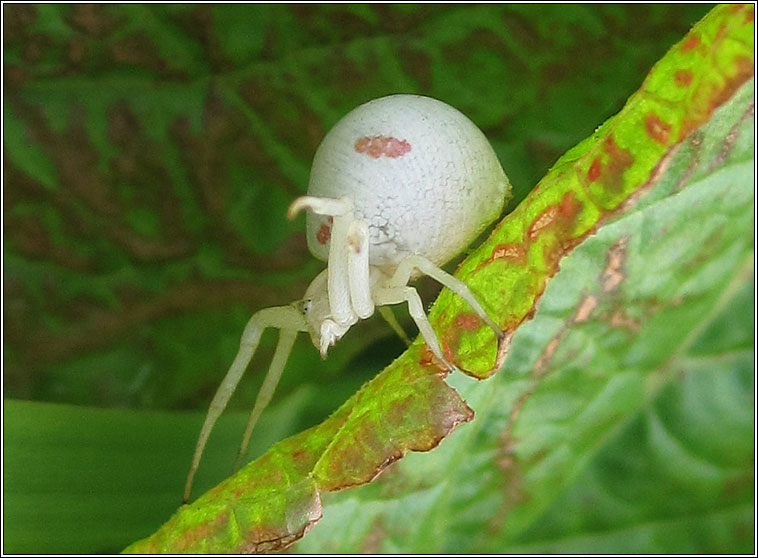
376	146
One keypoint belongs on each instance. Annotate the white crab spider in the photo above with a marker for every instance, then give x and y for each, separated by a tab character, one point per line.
398	187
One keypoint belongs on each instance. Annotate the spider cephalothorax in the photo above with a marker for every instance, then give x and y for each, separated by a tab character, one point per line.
399	186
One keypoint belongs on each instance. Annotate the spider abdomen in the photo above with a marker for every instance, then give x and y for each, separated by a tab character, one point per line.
420	174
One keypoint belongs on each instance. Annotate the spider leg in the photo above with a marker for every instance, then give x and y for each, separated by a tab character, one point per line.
396	295
391	320
338	284
358	269
320	206
285	318
403	274
282	353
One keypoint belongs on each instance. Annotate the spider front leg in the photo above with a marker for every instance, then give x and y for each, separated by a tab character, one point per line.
359	270
395	290
396	295
287	319
403	274
338	283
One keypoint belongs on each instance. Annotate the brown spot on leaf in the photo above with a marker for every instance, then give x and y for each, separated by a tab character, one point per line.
450	340
613	274
612	148
428	360
503	346
513	252
619	319
692	42
695	142
732	136
508	463
683	78
657	129
585	308
467	322
618	160
596	168
540	367
711	95
372	541
559	216
263	540
542	221
749	16
610	278
417	424
744	70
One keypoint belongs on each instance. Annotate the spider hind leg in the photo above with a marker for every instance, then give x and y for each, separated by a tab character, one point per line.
289	321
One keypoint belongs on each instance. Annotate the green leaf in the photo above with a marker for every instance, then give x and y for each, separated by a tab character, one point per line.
85	478
649	235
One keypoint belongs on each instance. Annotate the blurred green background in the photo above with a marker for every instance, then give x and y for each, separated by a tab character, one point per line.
150	152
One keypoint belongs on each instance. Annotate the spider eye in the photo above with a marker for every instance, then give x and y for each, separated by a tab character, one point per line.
305	305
